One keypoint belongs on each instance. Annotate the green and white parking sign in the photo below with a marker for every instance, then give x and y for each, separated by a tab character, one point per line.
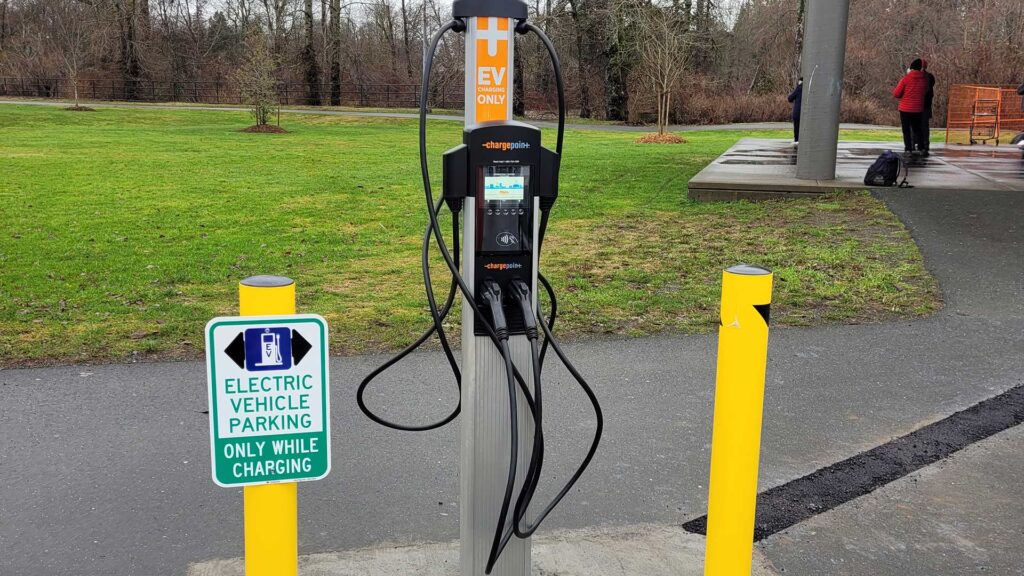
269	399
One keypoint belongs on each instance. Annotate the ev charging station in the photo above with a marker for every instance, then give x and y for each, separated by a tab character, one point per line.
499	233
501	185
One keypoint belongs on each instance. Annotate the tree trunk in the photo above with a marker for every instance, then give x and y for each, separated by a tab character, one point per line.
309	59
3	21
578	23
662	110
131	68
616	73
143	7
545	70
801	6
405	43
335	48
668	108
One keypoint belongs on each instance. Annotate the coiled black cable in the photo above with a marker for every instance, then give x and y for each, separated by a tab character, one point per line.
537	457
502	346
437	326
523	27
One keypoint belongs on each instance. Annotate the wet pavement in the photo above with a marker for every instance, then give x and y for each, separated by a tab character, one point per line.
759	168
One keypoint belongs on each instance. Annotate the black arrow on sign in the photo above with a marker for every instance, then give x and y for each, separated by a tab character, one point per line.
236	350
300	347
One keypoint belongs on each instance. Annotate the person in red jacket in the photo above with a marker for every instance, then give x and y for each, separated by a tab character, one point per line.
912	91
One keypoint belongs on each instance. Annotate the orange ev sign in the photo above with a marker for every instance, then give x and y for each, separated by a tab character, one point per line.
492	91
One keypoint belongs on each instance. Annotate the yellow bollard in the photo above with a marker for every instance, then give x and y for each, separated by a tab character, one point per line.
271	510
736	439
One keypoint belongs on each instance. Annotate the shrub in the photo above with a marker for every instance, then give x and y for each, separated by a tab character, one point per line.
256	80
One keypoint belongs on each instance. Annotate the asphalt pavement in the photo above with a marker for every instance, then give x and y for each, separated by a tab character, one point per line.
105	469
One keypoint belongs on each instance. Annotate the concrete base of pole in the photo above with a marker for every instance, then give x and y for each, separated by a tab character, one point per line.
822	69
639	550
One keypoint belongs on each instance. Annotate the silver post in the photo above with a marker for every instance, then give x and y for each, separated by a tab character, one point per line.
484	455
823	59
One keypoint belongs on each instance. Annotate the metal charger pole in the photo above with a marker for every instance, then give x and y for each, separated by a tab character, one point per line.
484	453
500	185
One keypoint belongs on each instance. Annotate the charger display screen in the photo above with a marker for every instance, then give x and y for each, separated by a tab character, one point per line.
503	204
499	188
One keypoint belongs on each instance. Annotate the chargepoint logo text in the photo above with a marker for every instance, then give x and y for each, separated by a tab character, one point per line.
503	266
506	146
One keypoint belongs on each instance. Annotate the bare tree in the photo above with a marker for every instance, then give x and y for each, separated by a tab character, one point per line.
3	20
798	53
405	41
131	17
664	46
581	22
335	52
256	79
240	13
76	34
309	58
276	12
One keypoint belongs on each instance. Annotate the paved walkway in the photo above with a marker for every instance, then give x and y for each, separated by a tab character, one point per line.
105	468
960	516
760	168
602	127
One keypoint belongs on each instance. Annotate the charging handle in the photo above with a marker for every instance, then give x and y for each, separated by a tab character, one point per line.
455	175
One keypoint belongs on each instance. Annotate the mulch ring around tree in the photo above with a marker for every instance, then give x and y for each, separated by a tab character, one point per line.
655	138
78	108
265	129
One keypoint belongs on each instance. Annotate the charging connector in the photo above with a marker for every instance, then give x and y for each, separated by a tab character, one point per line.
491	295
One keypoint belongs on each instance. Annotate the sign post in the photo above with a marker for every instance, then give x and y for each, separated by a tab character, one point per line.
269	414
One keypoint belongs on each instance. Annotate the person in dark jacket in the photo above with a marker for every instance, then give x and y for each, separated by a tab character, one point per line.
796	97
929	97
911	92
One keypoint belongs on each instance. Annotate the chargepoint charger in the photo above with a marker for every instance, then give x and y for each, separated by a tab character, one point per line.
503	183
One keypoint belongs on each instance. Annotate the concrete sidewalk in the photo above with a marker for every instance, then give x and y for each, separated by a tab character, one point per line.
960	516
624	551
759	168
106	468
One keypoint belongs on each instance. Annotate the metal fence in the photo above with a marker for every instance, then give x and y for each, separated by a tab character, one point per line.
981	114
217	92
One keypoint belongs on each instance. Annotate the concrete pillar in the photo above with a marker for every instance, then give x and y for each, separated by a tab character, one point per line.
822	70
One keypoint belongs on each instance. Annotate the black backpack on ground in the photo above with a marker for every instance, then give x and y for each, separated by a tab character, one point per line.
887	170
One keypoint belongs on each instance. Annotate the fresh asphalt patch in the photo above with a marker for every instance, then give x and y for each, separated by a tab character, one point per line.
795	501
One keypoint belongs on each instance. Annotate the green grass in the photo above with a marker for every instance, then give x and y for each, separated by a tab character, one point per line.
124	231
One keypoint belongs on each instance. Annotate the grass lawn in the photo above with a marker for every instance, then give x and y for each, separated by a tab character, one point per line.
124	231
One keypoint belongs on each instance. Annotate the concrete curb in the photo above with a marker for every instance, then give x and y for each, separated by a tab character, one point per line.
638	550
